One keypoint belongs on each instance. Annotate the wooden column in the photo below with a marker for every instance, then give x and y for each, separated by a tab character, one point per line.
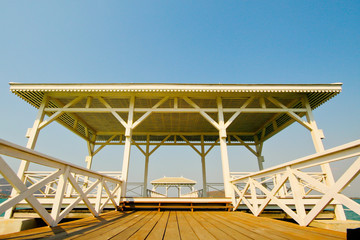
224	153
89	158
33	136
34	133
146	170
203	166
260	158
317	136
127	147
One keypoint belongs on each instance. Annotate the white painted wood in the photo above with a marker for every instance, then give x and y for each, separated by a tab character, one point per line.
297	195
33	135
203	166
143	117
191	145
127	147
223	150
60	198
202	112
290	113
99	195
113	111
319	147
59	113
60	192
331	193
104	144
20	187
146	168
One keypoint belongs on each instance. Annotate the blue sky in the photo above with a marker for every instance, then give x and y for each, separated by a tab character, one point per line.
182	42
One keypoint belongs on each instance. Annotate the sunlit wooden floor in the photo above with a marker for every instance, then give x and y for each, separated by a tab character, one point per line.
176	225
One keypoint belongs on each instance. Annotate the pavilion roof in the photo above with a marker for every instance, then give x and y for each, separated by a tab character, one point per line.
173	180
174	119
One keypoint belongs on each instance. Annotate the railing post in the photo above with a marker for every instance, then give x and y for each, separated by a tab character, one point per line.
317	139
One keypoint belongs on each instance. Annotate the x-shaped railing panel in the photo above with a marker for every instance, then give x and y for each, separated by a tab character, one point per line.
257	193
63	175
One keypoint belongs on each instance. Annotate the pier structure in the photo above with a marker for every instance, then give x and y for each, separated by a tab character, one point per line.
201	116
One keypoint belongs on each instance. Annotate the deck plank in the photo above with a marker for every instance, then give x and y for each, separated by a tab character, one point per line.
110	230
176	225
201	232
64	230
172	228
255	227
292	227
214	220
218	233
129	231
145	230
287	229
159	229
186	231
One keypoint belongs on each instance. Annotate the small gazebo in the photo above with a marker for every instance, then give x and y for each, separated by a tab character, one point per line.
176	182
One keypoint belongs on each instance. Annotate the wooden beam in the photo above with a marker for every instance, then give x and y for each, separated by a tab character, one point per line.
143	117
191	145
113	112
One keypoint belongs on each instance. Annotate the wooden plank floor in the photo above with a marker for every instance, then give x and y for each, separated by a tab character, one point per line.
176	225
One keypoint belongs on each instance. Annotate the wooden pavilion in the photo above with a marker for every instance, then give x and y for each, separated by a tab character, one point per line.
176	182
201	116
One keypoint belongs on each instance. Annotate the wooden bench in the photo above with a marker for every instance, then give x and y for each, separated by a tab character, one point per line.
131	205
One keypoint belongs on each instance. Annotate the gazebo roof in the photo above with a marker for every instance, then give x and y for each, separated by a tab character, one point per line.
92	111
172	181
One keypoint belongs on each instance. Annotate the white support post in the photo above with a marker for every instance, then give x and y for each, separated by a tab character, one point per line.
34	133
224	153
203	167
260	158
146	170
127	147
60	192
319	147
89	158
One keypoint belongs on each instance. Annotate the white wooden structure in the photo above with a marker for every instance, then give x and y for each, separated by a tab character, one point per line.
290	186
95	192
176	182
201	116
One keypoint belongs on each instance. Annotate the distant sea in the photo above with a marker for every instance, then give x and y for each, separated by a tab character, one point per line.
2	200
350	215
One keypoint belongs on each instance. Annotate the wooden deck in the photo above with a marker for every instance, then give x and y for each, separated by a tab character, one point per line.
176	225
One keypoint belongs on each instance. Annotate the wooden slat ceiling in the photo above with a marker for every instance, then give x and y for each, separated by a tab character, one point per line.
247	126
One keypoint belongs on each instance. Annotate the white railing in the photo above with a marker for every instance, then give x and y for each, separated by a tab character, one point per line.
151	193
234	175
134	189
289	187
50	189
42	189
215	190
193	194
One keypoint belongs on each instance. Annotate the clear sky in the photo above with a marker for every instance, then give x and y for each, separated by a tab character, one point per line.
182	42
